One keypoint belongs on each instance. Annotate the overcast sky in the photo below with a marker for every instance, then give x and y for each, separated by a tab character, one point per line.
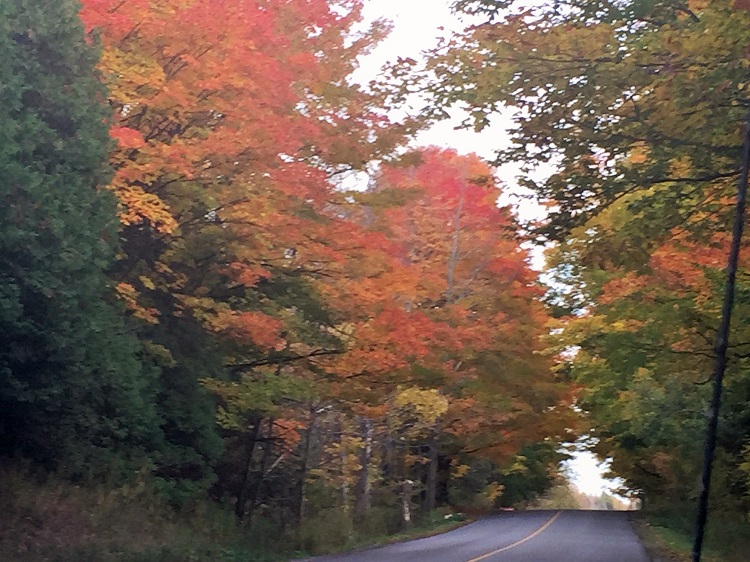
417	26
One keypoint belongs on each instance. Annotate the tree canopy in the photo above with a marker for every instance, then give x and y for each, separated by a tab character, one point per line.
638	109
193	294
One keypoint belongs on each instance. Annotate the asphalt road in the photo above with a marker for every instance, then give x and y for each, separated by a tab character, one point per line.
520	536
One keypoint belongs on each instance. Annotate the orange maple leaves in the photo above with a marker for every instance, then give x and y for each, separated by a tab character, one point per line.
231	119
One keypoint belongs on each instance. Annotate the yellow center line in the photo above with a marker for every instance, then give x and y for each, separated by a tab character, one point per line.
539	531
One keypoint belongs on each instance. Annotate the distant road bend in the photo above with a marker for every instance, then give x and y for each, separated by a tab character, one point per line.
520	536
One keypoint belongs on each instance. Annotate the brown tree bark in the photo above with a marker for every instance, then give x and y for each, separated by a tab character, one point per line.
299	508
252	500
430	499
252	440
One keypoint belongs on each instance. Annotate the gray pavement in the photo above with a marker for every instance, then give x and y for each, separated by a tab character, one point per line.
520	536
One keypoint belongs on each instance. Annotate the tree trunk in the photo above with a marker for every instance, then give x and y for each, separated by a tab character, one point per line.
300	491
267	450
239	506
432	471
344	489
362	500
406	491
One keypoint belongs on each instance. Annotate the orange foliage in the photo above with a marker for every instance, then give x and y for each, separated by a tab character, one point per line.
231	119
287	431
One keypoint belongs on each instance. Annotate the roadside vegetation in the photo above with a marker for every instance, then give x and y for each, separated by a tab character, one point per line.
243	317
210	347
637	109
669	537
49	519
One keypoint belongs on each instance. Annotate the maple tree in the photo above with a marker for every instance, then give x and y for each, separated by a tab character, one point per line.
473	283
440	339
473	274
253	332
638	107
229	124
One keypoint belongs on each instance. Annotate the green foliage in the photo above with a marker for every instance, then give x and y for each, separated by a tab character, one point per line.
73	393
468	490
614	94
529	476
482	485
265	318
380	521
726	540
190	446
328	531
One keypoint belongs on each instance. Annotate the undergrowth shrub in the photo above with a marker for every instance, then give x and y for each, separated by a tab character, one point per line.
50	519
727	535
328	530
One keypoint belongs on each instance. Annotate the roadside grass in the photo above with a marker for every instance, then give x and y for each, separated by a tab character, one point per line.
46	519
332	531
427	527
668	536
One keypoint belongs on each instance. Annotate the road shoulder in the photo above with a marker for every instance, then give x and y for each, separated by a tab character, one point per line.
413	534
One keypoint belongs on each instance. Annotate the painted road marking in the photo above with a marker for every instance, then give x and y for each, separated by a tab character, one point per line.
539	531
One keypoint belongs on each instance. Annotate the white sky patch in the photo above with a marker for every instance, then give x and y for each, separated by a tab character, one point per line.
587	474
418	24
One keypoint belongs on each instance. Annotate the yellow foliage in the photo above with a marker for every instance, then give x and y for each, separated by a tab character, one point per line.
493	490
639	153
459	470
518	467
680	167
129	296
426	405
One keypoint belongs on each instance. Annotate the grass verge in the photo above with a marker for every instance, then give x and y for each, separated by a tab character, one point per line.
420	531
46	519
669	539
662	544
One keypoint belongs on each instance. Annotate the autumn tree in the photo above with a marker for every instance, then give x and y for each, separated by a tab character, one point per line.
441	324
472	287
254	333
232	122
638	108
642	97
475	277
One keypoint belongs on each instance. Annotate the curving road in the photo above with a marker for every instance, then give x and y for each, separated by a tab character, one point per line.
521	536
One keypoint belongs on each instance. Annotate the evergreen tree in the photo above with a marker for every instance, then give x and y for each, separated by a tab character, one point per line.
73	393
